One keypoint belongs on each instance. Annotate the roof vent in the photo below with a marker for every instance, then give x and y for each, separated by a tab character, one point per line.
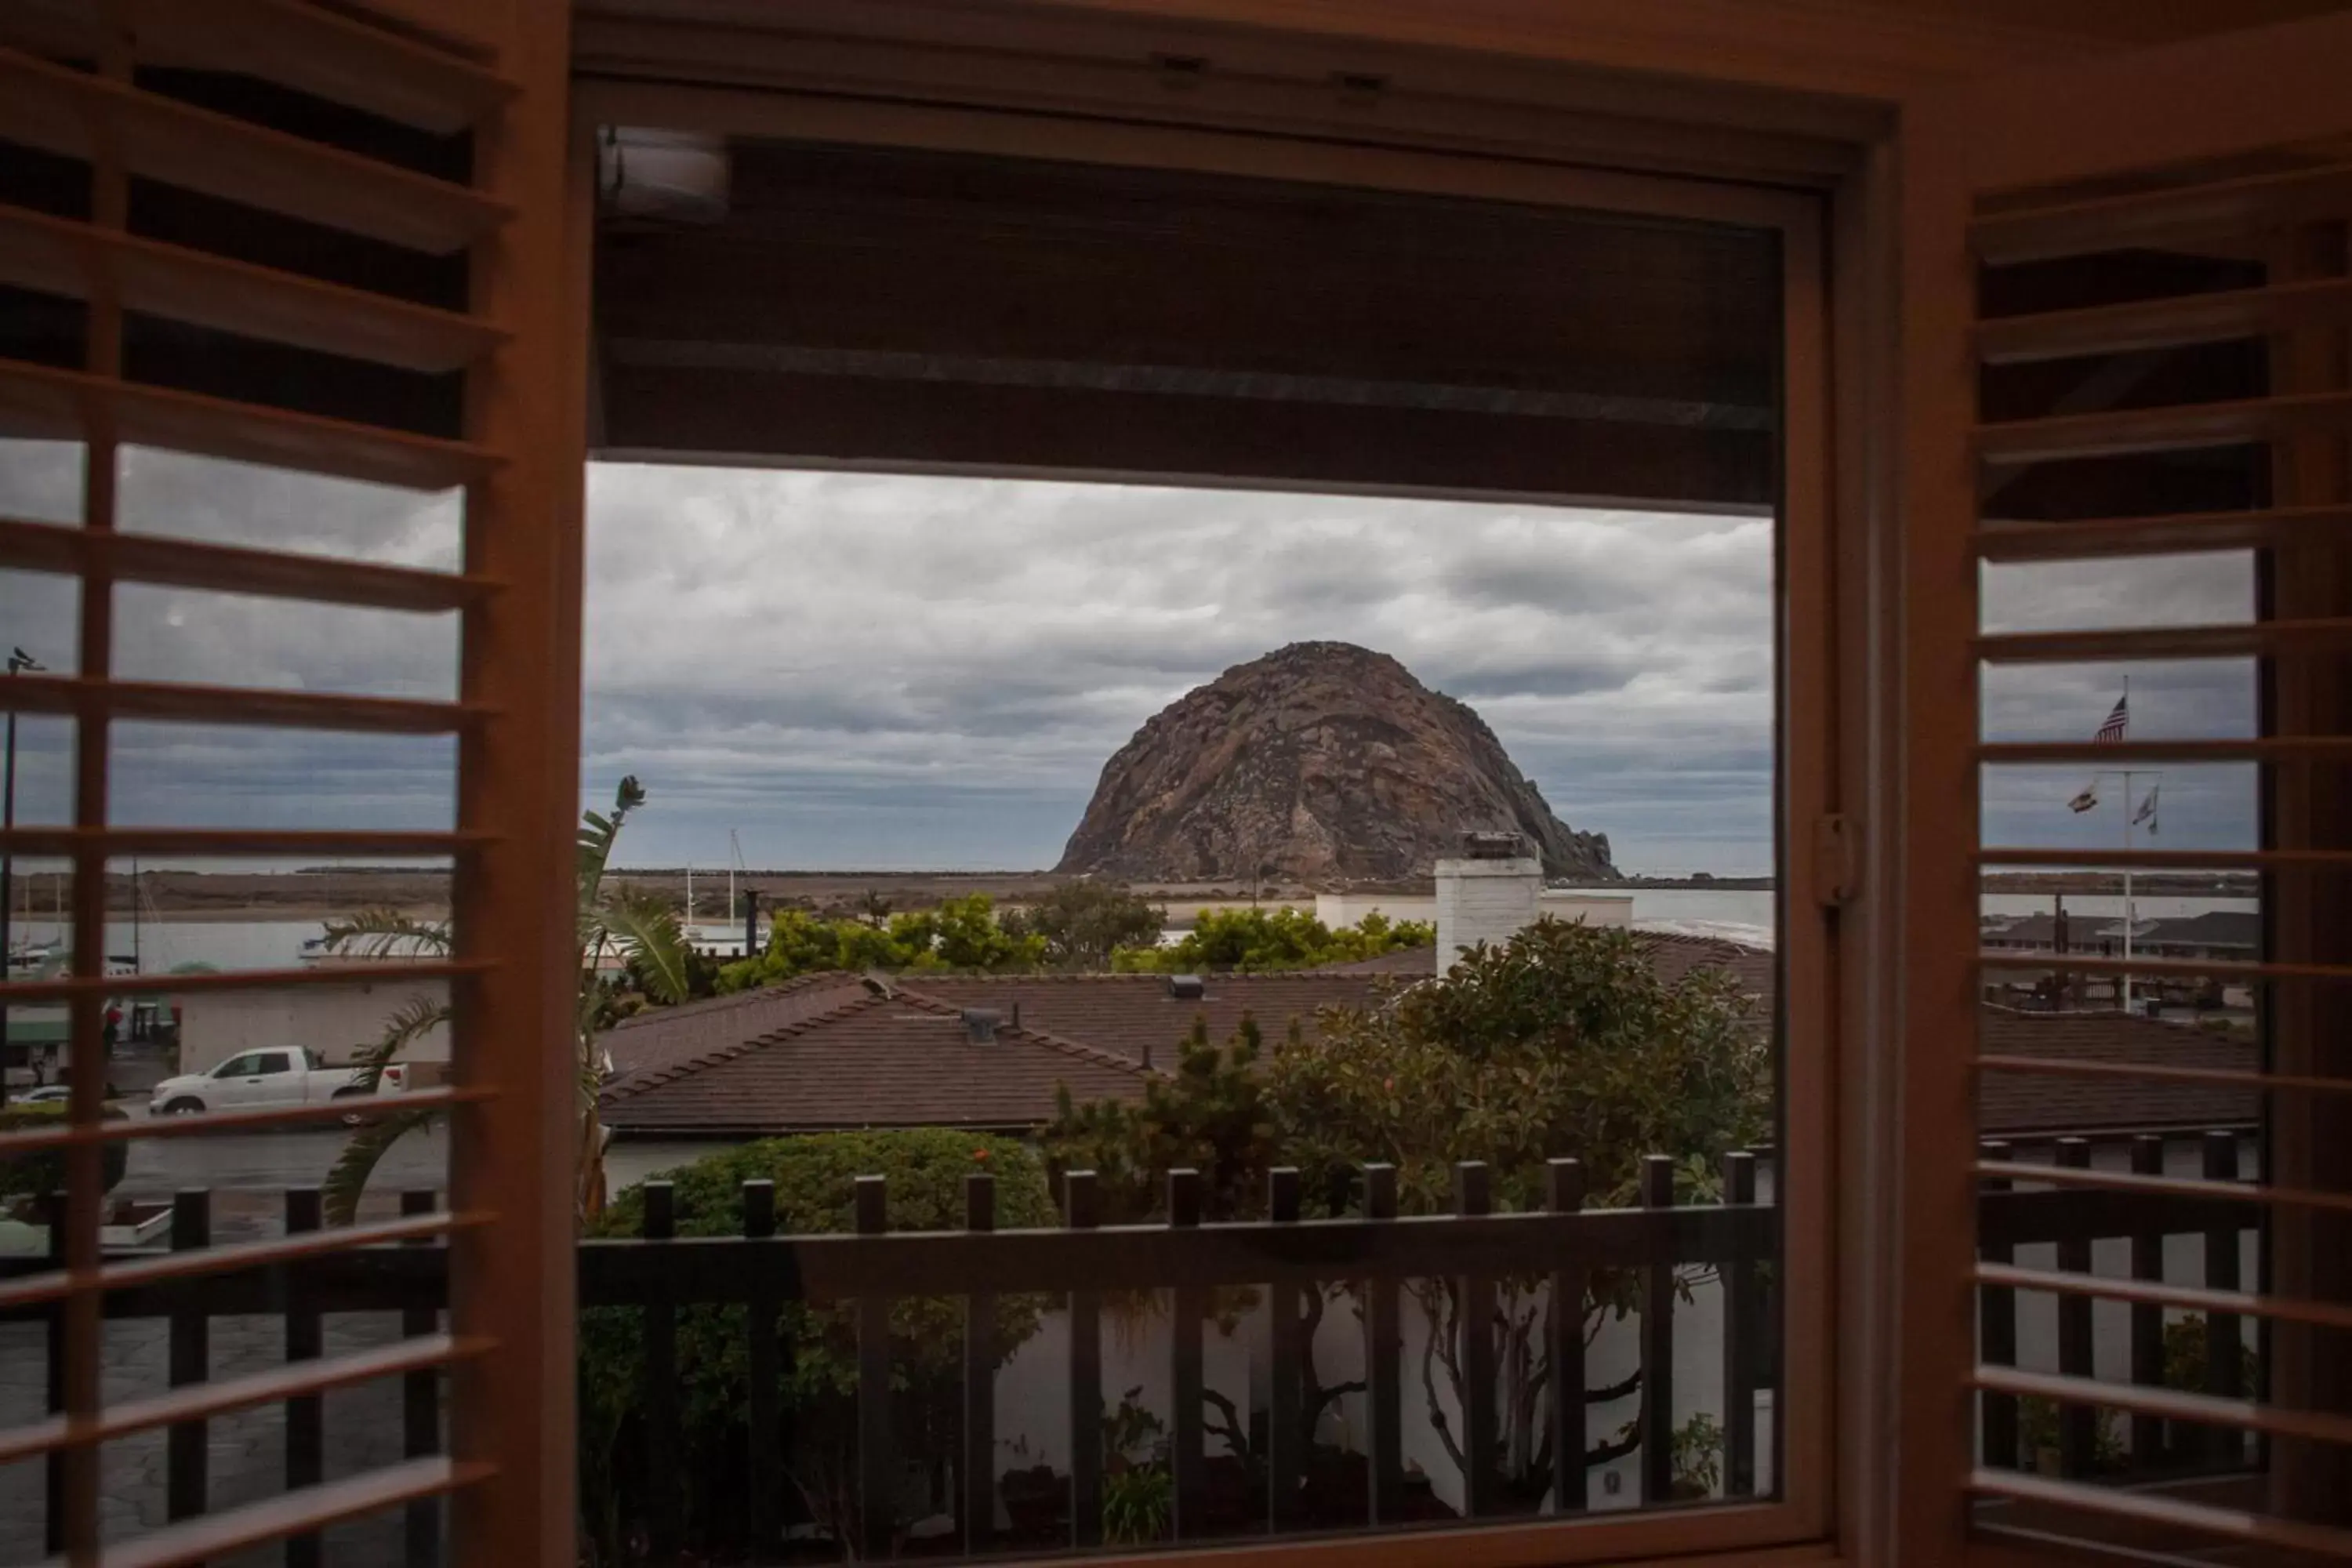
1187	987
979	1025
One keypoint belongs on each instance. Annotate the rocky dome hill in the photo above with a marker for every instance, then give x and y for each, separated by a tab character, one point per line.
1321	760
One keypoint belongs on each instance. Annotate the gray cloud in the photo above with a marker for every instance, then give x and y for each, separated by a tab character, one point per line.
861	670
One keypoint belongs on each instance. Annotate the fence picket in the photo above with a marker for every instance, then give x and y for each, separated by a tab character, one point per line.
764	1398
1383	1349
1082	1210
1657	1345
876	1474
305	1415
54	1464
190	1356
979	1467
2078	1425
1473	1195
1742	1322
2224	1340
662	1440
2147	1319
1564	1193
1186	1460
1996	1334
420	1419
1284	1443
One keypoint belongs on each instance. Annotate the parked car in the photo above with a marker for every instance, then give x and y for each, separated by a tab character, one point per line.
260	1079
45	1094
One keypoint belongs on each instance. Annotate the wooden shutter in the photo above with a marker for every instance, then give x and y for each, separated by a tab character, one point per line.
2124	300
133	97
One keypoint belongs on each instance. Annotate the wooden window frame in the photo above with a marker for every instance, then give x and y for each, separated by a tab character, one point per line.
1819	912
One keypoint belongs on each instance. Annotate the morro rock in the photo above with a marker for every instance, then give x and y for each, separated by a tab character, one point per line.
1319	761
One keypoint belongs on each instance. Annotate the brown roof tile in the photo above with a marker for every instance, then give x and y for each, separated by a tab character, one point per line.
657	1042
901	1060
1132	1014
2012	1104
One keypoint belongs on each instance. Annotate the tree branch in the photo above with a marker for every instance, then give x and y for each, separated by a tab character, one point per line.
1631	1383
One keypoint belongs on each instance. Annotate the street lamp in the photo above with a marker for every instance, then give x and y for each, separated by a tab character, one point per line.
19	662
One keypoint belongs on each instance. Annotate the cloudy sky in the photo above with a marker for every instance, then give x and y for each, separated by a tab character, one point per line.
871	671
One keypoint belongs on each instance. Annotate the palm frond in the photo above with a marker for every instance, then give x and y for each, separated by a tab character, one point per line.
597	832
403	1028
648	935
348	1178
379	933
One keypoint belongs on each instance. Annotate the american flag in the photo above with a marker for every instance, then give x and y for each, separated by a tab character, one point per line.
2117	723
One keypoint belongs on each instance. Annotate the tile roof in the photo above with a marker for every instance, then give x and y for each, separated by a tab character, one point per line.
661	1039
2011	1103
1133	1014
876	1057
1673	955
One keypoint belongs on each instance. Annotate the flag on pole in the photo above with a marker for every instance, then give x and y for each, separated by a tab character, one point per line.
2087	800
2117	723
2147	812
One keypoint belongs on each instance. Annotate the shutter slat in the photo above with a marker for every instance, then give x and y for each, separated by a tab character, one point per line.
2163	968
2130	754
2222	207
2151	1072
34	1289
40	402
295	1513
295	43
2166	860
198	1401
59	255
2186	533
2247	1193
2161	1509
2189	1298
2178	427
13	1144
193	843
2240	641
72	695
234	569
56	110
2170	322
2170	1402
65	990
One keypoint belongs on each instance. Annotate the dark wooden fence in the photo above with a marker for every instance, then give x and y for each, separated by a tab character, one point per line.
659	1273
2071	1219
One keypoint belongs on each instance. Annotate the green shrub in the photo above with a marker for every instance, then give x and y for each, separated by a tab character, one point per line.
26	1178
815	1179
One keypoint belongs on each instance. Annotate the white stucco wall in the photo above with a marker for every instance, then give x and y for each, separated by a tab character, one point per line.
1484	900
334	1020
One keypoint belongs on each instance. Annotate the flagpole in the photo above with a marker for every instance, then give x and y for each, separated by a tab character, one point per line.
2127	890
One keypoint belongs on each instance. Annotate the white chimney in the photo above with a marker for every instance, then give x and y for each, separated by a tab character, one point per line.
1486	897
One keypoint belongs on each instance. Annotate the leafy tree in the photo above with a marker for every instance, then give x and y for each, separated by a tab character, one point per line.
1083	923
635	926
1252	939
815	1179
1212	1115
1563	1042
961	934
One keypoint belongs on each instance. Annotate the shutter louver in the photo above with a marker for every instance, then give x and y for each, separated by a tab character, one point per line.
102	87
2092	311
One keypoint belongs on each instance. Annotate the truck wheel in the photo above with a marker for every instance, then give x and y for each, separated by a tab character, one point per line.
352	1118
186	1105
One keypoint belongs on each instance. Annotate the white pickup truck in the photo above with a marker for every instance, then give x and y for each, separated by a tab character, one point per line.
269	1079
